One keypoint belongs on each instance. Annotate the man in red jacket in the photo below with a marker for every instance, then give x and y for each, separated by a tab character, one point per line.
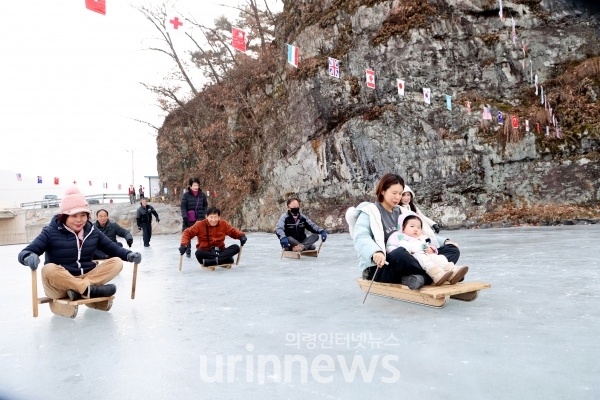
211	233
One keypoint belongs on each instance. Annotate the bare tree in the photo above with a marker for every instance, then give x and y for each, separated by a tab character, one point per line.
158	18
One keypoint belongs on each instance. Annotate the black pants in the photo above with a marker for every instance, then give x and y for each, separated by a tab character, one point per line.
146	232
402	263
307	243
225	255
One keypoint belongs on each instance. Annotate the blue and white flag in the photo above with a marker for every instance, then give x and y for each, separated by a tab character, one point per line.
449	102
293	55
500	120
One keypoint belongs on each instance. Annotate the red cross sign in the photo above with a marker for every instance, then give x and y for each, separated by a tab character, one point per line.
176	23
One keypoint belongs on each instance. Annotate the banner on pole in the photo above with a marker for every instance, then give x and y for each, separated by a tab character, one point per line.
238	39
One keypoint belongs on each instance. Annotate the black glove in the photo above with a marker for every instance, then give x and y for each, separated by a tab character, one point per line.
323	235
134	257
436	228
32	261
129	242
157	220
182	249
243	240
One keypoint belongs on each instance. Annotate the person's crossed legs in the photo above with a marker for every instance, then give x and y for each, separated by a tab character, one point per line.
307	244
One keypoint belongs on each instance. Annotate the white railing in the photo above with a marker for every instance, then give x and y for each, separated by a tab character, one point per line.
99	199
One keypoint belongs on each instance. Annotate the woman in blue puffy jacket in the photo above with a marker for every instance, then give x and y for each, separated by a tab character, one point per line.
69	242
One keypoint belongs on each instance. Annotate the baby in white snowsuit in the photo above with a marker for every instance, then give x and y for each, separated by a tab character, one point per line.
409	235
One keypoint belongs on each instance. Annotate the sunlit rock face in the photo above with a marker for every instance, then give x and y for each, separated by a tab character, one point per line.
328	140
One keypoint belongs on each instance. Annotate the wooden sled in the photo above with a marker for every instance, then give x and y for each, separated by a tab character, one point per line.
212	267
431	296
67	307
298	254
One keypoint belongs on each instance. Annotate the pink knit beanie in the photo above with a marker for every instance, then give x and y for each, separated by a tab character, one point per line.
73	202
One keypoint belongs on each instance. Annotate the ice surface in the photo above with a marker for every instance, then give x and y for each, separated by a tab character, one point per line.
533	335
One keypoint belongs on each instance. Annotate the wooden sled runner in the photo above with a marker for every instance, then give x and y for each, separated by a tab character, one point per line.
431	296
298	254
67	307
212	267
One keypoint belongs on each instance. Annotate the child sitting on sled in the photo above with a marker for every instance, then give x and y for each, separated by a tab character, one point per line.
409	236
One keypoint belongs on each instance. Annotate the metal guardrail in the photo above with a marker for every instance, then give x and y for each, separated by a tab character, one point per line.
92	199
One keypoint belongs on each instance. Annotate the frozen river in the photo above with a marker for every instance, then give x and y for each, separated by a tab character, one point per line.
275	329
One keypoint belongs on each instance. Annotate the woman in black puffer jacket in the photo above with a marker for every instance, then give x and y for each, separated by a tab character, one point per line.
69	243
193	207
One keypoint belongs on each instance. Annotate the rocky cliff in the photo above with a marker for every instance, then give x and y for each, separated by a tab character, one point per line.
327	140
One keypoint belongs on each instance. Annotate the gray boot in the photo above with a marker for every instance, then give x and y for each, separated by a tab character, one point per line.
414	282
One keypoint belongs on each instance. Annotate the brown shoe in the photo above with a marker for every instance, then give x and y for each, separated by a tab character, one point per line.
458	274
438	275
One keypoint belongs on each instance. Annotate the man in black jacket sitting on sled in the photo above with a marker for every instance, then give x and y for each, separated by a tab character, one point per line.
291	229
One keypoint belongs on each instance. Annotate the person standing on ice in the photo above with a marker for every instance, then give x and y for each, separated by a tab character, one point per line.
407	204
131	194
69	242
211	233
292	226
193	207
144	220
409	236
111	230
371	224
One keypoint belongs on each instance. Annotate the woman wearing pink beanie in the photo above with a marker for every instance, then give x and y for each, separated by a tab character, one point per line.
69	242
